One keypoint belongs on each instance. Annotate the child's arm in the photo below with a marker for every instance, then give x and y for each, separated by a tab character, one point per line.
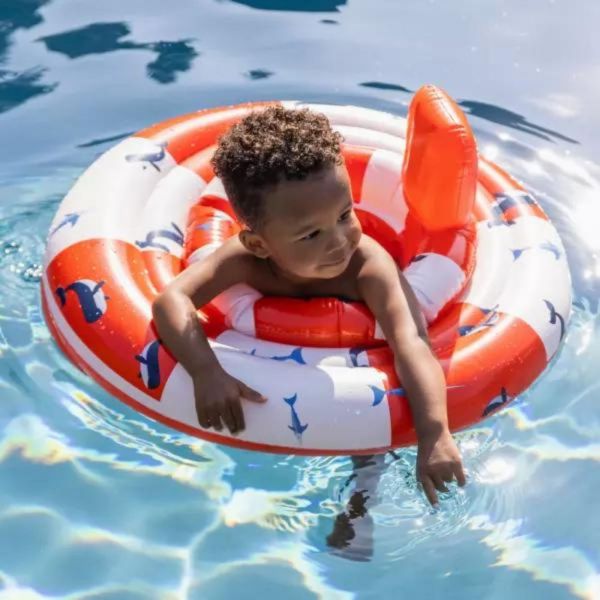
217	394
391	300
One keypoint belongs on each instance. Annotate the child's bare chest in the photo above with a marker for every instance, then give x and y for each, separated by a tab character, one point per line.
268	282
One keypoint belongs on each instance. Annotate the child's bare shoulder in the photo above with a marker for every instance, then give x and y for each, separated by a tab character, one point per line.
227	265
372	257
233	255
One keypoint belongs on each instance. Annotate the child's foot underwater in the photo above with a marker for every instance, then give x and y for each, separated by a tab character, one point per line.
352	533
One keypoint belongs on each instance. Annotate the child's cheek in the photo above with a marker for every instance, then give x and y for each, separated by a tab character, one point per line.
356	235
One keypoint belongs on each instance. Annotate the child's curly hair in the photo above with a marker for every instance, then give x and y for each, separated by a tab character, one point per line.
269	146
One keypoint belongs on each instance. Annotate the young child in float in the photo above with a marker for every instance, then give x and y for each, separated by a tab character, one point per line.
285	177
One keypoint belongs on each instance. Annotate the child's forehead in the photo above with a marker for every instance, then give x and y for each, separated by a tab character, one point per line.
325	184
295	203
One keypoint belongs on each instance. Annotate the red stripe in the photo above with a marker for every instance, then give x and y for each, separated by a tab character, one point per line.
200	163
494	179
319	322
121	332
378	229
482	210
188	134
459	245
218	203
206	227
357	160
162	267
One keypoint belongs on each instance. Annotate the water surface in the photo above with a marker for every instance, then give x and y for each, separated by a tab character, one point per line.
99	502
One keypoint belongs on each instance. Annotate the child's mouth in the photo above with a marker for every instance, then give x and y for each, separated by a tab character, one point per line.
335	263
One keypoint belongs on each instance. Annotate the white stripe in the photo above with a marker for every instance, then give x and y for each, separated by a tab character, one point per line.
382	192
335	403
109	197
237	304
216	188
357	116
332	357
536	276
435	280
360	136
170	203
201	253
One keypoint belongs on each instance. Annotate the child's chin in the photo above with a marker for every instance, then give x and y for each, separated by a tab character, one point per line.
329	271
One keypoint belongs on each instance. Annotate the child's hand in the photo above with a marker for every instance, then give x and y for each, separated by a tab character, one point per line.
438	462
218	398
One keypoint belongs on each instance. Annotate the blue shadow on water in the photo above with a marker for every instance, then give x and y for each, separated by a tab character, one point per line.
256	74
100	38
107	140
16	87
508	118
17	15
384	85
294	5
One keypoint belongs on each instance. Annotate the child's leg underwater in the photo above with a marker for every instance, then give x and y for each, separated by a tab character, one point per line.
352	534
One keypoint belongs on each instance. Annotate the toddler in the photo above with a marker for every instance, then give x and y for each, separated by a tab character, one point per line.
284	174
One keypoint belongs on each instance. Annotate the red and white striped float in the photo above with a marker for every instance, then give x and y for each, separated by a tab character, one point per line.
491	276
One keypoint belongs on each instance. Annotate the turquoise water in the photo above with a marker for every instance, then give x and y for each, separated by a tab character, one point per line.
98	502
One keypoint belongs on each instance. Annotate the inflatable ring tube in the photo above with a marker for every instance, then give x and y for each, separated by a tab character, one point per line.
437	264
118	239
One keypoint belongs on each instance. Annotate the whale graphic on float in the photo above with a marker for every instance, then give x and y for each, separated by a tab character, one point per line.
149	365
296	425
91	298
152	237
152	157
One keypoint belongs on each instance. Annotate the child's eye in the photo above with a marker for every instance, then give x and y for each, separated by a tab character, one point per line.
345	216
311	235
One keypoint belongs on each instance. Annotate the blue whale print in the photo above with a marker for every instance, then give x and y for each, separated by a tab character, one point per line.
498	221
496	402
295	356
151	157
379	393
296	425
69	219
491	319
504	200
545	246
166	234
555	318
355	352
91	299
149	366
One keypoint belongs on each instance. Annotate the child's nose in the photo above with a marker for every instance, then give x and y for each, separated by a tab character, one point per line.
337	242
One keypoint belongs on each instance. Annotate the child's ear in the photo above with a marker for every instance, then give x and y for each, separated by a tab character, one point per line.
254	243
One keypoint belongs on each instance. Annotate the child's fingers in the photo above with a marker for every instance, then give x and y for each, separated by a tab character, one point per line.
439	484
429	490
215	418
249	394
235	406
202	414
460	475
229	419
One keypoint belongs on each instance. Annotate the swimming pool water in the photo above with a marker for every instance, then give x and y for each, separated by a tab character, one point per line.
99	502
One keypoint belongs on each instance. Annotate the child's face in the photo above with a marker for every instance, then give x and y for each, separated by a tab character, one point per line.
310	229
